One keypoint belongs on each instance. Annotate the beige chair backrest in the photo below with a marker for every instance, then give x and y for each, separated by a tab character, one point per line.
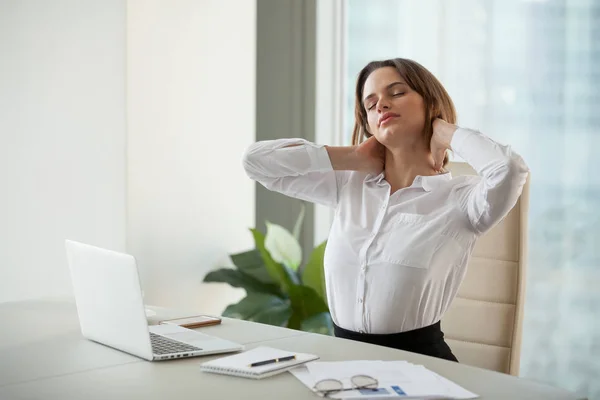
484	323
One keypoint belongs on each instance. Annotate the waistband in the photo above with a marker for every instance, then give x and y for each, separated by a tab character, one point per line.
428	334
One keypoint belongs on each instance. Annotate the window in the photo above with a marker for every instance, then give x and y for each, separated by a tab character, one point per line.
526	73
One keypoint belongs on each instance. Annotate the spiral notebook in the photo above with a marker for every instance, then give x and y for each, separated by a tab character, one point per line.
239	364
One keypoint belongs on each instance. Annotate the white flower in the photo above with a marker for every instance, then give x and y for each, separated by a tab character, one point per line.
282	246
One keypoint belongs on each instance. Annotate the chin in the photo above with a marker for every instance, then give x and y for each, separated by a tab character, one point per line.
390	134
393	136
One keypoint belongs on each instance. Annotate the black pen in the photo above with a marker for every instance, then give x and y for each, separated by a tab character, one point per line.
272	361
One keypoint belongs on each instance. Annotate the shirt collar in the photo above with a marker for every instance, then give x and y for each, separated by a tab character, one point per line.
428	183
431	182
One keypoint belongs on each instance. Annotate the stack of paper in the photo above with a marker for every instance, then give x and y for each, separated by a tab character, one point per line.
395	379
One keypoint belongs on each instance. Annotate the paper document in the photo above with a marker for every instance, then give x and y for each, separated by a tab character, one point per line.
395	379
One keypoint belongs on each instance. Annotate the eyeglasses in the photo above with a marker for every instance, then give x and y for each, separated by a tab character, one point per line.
359	382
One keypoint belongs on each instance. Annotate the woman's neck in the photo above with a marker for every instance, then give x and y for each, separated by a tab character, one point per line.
403	165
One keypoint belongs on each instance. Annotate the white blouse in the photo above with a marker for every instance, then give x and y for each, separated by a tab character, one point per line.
394	263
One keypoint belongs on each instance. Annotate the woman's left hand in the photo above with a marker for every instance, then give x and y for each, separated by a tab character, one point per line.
440	141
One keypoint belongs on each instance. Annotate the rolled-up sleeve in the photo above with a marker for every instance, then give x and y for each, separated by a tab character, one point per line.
296	168
502	173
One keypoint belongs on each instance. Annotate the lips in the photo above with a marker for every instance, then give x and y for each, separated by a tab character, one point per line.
386	117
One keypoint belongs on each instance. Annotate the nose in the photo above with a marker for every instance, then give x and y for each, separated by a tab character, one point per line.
383	105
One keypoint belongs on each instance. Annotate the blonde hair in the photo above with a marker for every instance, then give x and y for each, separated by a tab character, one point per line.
438	103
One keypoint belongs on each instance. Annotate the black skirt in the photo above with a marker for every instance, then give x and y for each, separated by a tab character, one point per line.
428	340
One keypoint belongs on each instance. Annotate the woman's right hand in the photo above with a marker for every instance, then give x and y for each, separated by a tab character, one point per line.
371	156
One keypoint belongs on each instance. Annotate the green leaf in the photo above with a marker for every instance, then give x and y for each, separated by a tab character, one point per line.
306	302
283	246
278	315
251	263
294	276
299	221
237	278
260	307
313	274
295	321
276	271
318	323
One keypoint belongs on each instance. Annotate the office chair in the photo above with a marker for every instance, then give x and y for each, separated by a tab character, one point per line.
483	326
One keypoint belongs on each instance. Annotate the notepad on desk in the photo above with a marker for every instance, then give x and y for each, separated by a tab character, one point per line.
267	361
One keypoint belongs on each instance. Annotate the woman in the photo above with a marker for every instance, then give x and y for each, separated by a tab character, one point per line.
404	229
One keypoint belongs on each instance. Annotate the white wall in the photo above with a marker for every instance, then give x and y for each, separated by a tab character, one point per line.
62	138
179	76
191	114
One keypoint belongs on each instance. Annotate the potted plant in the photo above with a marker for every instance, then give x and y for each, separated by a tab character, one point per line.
279	289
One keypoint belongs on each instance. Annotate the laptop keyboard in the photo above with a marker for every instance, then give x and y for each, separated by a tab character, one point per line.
163	345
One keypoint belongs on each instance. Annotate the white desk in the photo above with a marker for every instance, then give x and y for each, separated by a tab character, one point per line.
43	356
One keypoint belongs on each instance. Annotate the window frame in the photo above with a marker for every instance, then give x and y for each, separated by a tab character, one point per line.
329	92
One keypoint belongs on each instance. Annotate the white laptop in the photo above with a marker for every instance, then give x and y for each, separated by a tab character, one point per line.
111	309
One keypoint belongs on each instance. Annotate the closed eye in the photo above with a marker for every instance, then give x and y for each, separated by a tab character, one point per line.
369	108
